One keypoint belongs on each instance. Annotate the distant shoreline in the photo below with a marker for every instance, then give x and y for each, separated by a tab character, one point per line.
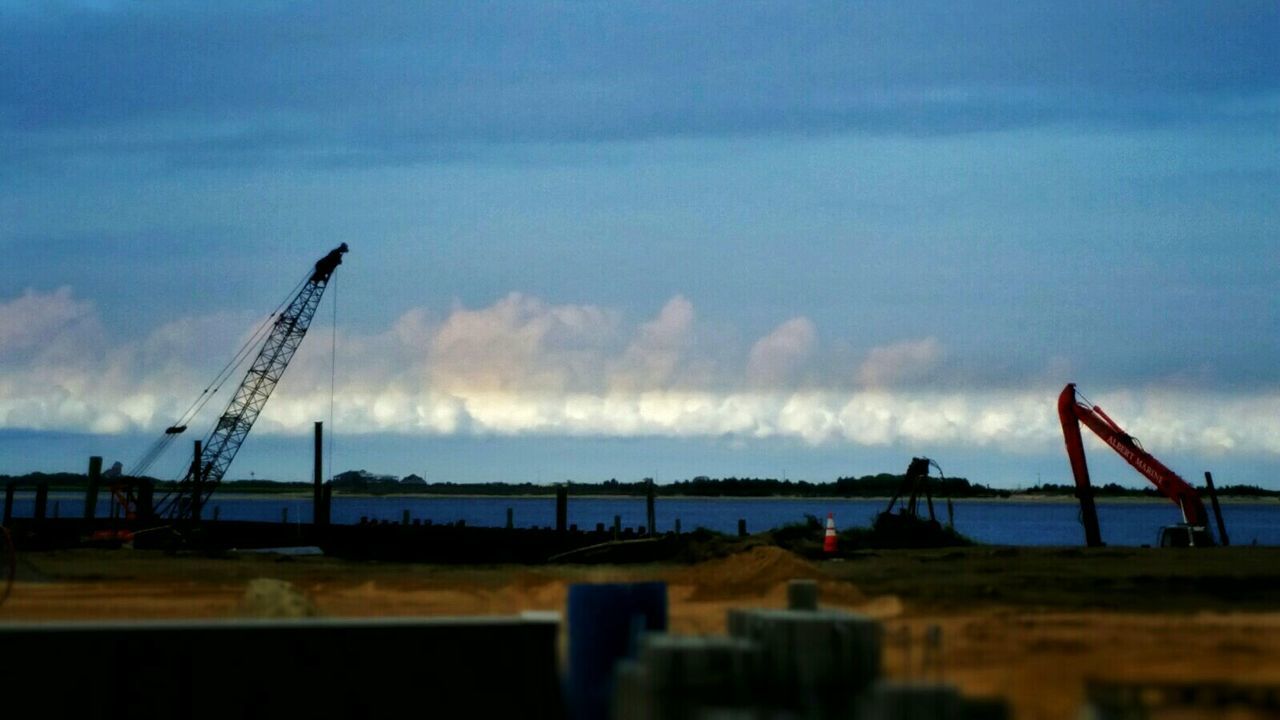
1013	498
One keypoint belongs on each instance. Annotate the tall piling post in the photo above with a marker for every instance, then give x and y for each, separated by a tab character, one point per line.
650	517
91	491
9	489
317	479
511	518
42	499
617	526
562	508
326	503
197	477
146	499
742	527
1217	509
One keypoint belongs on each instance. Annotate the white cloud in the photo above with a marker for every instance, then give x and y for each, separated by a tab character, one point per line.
899	363
523	366
776	357
653	357
48	325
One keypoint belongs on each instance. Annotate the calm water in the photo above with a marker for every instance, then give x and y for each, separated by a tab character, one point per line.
997	523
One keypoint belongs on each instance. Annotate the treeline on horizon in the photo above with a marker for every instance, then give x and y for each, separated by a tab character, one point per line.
880	485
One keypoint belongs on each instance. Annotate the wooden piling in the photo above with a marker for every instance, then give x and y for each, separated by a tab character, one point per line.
317	478
511	518
677	526
42	500
91	492
9	489
197	479
217	510
404	518
562	508
1217	509
326	504
617	526
742	527
648	504
146	499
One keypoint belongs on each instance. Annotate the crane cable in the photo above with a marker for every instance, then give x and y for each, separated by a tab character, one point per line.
162	444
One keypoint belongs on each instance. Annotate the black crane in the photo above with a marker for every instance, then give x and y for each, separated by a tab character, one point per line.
290	326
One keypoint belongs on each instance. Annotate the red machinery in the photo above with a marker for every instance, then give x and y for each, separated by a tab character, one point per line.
1073	412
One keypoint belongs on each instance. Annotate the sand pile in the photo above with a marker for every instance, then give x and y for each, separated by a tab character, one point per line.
271	598
759	572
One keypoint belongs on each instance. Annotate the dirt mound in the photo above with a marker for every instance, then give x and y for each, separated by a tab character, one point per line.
755	572
271	598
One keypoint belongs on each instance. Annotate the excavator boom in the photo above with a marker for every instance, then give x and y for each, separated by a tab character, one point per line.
1073	413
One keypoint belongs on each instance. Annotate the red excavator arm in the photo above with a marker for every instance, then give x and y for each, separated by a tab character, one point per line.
1073	412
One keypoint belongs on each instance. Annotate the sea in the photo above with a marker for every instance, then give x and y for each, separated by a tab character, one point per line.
993	522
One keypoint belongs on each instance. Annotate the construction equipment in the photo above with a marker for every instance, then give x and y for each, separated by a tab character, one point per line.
907	527
1074	411
286	332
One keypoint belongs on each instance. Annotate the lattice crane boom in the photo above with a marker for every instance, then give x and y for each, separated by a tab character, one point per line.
220	448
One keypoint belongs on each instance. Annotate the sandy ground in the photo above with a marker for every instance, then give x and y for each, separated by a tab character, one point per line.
1027	625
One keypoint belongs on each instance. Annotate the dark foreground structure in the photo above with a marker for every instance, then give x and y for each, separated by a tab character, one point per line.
304	668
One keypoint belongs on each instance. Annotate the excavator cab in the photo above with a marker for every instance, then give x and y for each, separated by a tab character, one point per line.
1184	535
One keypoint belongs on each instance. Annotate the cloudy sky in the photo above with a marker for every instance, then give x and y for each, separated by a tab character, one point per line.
595	240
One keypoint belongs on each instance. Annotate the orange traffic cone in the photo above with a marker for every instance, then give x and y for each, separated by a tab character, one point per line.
829	541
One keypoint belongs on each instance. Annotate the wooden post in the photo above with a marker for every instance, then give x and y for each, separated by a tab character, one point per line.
317	478
42	499
326	504
404	518
197	478
648	503
146	497
562	508
9	489
511	518
677	526
217	510
1217	509
284	515
617	526
91	492
742	527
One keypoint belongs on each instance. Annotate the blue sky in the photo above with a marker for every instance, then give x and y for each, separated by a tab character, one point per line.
671	239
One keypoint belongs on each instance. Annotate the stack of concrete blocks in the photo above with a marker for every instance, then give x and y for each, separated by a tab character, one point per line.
685	677
794	663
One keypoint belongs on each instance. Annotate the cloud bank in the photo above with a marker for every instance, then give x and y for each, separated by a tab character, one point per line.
524	366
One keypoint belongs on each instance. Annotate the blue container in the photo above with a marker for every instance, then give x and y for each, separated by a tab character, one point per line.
605	623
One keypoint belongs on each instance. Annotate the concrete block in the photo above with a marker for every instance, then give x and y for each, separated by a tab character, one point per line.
897	700
684	678
815	662
802	595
